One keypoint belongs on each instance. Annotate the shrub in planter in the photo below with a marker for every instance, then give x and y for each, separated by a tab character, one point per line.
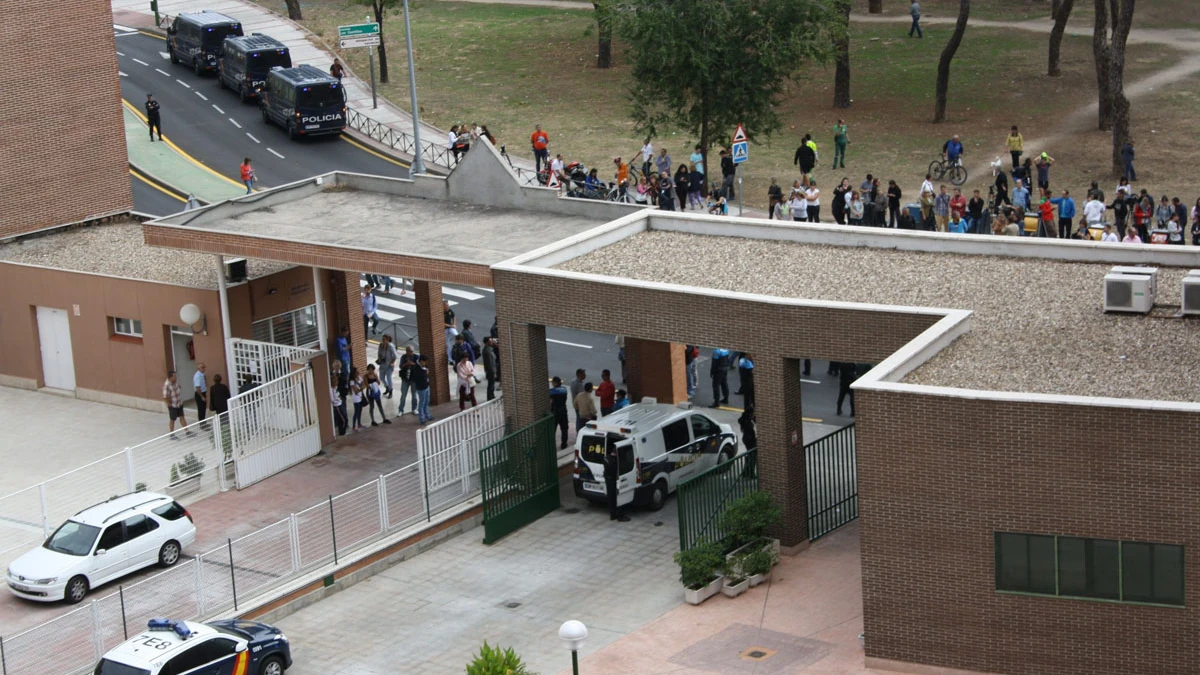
736	579
497	661
747	519
189	466
757	564
699	564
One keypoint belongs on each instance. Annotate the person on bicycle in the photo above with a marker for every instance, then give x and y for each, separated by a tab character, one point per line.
952	150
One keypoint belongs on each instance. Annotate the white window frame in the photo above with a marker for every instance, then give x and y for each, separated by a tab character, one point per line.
135	327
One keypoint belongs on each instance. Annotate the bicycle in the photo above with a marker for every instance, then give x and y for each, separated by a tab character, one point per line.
942	168
617	193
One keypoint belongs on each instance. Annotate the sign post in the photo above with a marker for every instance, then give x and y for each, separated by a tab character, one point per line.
362	35
741	153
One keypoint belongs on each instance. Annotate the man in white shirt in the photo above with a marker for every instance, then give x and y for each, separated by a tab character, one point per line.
1093	211
556	168
200	384
1109	235
647	156
927	186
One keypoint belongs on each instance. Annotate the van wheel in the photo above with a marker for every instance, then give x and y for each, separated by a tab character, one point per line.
197	68
658	496
171	56
77	589
727	453
291	129
242	94
266	118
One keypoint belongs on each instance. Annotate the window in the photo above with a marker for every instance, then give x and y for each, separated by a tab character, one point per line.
1090	568
702	427
172	511
297	328
138	525
675	435
112	537
130	327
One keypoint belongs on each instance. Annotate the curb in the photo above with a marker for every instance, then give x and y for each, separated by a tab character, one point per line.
164	185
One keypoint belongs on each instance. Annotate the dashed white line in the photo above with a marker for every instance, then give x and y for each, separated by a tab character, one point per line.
126	29
276	153
569	344
218	109
137	60
183	83
252	137
202	96
122	74
810	381
120	54
234	123
163	72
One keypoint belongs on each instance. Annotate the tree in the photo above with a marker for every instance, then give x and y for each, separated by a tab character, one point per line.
875	7
737	56
1122	22
604	30
1102	56
1062	12
943	76
841	44
293	7
378	8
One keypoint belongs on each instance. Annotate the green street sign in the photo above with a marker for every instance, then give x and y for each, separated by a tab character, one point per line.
358	35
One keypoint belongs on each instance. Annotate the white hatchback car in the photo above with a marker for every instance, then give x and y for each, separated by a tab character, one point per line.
102	543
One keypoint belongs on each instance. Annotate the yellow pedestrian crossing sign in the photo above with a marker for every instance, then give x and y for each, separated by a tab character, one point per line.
740	146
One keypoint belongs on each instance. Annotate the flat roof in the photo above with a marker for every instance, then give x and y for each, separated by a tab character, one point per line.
1038	324
118	249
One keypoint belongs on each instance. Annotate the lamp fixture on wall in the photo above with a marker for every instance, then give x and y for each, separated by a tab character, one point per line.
191	315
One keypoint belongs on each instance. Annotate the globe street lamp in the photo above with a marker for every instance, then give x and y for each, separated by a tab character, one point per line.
573	634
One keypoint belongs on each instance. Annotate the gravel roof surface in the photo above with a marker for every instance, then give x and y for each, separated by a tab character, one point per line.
1038	325
117	249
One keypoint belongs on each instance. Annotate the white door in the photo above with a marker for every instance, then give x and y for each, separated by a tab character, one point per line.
58	364
185	365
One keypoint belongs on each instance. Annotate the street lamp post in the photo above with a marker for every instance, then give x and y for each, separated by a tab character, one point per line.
417	165
573	634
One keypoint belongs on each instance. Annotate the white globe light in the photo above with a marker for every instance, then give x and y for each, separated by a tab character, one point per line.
189	314
573	633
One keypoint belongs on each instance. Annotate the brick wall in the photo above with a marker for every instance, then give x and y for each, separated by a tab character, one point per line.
939	475
64	134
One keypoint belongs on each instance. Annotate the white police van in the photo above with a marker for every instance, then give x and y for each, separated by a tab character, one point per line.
658	447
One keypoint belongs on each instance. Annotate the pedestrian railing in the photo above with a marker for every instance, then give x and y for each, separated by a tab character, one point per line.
258	362
229	576
431	153
831	467
703	497
467	433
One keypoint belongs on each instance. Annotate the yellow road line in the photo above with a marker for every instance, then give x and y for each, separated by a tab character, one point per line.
153	35
380	155
176	148
138	175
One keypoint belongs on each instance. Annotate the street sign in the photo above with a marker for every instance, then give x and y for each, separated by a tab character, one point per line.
741	146
358	35
740	134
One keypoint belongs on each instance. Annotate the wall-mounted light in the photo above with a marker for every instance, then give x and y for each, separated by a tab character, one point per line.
191	315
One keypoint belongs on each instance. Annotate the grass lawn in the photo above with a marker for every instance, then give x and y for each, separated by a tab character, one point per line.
1152	14
510	67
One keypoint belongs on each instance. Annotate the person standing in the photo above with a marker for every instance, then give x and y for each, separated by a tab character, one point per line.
1020	196
386	360
1127	156
374	393
847	373
407	364
540	142
585	407
341	383
719	372
172	396
1001	187
915	12
451	329
813	196
465	370
1016	145
420	382
840	140
647	157
343	349
577	386
153	117
200	385
247	173
607	392
1043	164
975	214
893	196
728	172
805	157
469	338
369	308
558	408
941	209
958	205
839	203
696	187
219	395
683	181
690	352
749	433
490	370
746	377
356	397
1066	214
612	471
696	159
663	163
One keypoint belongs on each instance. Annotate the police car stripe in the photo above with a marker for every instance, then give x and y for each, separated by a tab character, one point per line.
242	664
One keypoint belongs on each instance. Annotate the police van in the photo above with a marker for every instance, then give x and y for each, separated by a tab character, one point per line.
195	40
246	60
305	101
658	446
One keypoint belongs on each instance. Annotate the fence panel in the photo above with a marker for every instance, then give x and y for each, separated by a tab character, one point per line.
261	559
357	516
315	531
405	497
170	593
71	641
183	464
519	479
21	523
831	465
468	431
702	498
260	362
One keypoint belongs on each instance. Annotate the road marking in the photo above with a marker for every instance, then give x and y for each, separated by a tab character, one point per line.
252	137
276	153
810	381
137	60
561	342
465	295
388	316
125	29
165	55
485	290
163	72
385	301
120	54
202	96
156	186
218	109
153	35
183	83
180	150
235	123
122	74
369	151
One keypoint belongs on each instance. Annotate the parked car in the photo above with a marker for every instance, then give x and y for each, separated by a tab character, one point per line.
228	647
102	543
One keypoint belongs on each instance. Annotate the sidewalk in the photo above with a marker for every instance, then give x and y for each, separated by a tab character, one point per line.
166	163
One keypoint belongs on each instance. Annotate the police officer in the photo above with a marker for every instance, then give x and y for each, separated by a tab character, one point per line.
153	118
611	470
745	366
847	374
719	372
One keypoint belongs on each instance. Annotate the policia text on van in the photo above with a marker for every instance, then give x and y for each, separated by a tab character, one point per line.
305	100
246	61
195	40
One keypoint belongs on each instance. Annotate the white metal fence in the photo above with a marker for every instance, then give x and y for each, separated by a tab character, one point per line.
225	577
453	444
261	362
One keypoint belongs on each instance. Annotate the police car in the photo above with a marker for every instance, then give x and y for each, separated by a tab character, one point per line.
658	446
229	647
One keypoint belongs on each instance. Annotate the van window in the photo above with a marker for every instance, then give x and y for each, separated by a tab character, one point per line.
702	427
319	96
593	449
268	58
215	35
675	435
625	462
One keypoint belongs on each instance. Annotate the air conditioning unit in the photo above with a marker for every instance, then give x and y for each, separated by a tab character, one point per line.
1128	293
1190	297
235	270
1151	271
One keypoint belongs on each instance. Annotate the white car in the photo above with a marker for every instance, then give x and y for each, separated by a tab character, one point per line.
102	543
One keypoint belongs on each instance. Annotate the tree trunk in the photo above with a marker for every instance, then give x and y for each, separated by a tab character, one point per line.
294	12
1055	5
841	77
604	33
1063	8
875	7
943	76
381	50
1122	21
1100	54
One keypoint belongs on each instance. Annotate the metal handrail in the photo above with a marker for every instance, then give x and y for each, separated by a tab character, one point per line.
399	140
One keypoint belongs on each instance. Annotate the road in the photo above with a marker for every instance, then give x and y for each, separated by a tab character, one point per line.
218	131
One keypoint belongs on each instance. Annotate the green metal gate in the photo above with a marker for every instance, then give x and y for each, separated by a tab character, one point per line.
519	479
831	465
702	498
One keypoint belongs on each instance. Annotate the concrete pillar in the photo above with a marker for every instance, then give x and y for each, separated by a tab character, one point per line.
780	428
655	369
319	299
431	337
223	296
526	375
352	299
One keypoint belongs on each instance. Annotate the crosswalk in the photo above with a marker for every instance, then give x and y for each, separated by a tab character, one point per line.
393	306
118	30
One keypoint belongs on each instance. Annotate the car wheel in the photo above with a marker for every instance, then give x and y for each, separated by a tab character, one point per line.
727	453
169	554
77	589
273	665
658	496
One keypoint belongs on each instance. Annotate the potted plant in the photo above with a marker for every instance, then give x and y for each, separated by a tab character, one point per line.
699	571
747	520
736	581
185	475
496	661
757	565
